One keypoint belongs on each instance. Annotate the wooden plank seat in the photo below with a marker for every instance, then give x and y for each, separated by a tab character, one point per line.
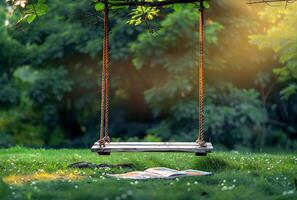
152	147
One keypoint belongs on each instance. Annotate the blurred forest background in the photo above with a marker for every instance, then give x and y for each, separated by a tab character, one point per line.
50	76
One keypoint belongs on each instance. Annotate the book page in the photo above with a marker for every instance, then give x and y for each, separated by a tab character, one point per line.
159	173
192	172
135	175
165	172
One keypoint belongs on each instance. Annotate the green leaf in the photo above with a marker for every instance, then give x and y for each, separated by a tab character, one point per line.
41	9
119	7
288	91
38	9
177	7
31	18
99	6
206	4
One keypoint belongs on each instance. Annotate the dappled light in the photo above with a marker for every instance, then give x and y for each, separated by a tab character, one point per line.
92	90
41	176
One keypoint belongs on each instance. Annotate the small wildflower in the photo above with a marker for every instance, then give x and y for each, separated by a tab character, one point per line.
224	188
288	192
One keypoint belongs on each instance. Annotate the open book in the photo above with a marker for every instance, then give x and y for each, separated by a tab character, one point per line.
161	173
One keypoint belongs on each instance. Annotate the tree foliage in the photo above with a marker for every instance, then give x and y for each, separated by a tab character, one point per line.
50	77
280	36
230	112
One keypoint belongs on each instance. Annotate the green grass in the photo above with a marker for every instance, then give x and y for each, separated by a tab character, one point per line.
236	176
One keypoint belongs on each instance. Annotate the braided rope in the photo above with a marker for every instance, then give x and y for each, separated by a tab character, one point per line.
104	85
200	140
101	141
106	40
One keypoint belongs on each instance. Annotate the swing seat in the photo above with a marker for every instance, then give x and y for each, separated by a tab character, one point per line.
152	147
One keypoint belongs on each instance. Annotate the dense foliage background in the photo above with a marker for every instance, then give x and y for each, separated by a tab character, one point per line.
50	76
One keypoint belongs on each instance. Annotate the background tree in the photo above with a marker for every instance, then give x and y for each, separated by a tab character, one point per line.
50	77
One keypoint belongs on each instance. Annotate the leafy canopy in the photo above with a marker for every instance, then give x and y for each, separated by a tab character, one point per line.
281	37
31	9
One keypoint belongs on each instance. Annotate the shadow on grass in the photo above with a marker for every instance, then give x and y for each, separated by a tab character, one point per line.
214	163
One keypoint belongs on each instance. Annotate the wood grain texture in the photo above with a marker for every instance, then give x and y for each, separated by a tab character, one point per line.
152	147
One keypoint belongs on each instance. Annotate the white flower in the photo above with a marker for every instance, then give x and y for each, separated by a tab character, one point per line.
288	192
21	3
6	22
224	188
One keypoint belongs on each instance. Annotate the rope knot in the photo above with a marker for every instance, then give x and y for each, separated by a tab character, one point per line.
101	142
201	143
106	139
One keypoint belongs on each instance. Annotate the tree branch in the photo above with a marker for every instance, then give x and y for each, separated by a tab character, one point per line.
269	1
149	4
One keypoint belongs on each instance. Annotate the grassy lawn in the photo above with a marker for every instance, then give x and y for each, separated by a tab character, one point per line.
43	174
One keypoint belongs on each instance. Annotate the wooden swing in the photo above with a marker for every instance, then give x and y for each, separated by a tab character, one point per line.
104	147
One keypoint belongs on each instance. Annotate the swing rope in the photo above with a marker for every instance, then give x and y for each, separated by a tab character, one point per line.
200	140
105	84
